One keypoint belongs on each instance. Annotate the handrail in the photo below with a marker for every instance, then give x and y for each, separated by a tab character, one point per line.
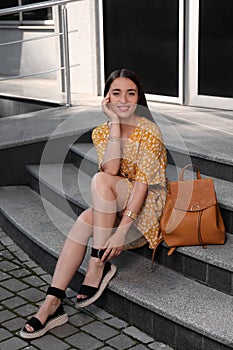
37	6
38	73
36	38
64	35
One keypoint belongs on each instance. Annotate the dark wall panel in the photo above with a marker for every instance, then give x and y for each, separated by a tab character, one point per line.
143	36
216	48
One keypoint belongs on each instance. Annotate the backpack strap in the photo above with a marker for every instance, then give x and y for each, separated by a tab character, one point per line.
153	254
171	251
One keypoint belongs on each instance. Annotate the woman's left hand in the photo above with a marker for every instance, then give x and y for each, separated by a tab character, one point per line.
114	246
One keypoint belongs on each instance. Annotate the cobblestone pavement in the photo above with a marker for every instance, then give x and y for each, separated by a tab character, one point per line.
23	286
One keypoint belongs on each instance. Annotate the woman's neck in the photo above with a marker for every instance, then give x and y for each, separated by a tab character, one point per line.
128	125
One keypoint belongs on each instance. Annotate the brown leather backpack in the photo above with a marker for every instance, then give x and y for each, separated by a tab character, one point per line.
191	215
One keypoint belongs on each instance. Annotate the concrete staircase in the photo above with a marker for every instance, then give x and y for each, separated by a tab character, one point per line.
187	302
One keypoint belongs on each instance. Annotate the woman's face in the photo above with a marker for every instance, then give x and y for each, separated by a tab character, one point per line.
123	94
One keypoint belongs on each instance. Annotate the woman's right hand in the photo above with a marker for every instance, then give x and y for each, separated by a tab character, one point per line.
113	246
106	108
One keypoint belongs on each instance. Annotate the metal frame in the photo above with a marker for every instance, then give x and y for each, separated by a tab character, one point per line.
64	35
179	99
36	6
192	65
101	45
150	97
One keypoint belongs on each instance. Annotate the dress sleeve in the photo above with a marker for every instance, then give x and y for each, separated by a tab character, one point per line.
151	160
100	140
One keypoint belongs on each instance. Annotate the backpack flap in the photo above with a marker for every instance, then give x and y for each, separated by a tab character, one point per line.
193	195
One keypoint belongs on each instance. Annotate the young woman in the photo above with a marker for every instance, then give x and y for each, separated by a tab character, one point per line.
128	191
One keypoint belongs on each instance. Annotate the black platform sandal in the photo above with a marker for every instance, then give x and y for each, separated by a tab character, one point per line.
94	293
58	318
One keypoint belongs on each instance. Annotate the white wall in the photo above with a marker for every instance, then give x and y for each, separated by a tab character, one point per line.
28	57
45	54
83	46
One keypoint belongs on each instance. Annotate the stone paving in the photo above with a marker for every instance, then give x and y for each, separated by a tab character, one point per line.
23	286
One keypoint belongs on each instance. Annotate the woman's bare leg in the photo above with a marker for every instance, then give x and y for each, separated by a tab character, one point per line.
74	250
108	196
70	259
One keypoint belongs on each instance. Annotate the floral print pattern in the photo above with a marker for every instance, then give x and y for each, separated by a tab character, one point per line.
144	160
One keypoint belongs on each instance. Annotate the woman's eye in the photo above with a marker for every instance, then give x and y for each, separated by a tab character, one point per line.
115	93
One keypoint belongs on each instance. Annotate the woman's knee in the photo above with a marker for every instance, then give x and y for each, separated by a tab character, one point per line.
101	178
82	229
86	217
103	192
101	184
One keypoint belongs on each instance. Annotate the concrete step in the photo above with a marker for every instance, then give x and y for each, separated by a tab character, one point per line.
170	307
83	155
46	134
203	136
200	135
205	140
64	185
68	188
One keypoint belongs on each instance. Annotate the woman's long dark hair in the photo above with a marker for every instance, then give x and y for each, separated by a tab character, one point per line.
142	107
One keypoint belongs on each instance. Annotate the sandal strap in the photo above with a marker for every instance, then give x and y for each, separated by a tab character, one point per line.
97	253
56	292
89	291
35	324
58	312
38	326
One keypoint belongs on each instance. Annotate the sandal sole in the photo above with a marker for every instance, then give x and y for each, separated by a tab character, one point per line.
107	278
58	321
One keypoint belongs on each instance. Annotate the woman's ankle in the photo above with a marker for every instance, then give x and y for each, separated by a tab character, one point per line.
94	272
51	301
47	308
96	262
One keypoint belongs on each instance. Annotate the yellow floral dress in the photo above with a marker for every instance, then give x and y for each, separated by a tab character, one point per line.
143	160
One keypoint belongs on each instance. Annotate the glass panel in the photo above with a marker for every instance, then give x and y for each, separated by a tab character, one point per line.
143	36
10	3
215	77
37	15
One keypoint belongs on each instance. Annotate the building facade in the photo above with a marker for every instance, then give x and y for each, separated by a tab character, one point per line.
181	49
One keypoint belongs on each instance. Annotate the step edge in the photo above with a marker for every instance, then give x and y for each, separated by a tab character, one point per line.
183	250
222	161
222	203
114	288
53	188
202	331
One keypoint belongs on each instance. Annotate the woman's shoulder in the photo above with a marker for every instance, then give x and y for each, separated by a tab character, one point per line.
100	130
149	127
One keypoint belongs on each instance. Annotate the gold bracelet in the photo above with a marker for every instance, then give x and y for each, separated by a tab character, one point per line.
131	214
114	139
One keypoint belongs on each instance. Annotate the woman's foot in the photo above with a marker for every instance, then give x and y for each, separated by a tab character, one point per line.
97	278
49	306
93	276
51	314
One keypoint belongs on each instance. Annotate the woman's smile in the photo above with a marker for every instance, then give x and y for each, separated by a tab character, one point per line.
123	97
123	108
